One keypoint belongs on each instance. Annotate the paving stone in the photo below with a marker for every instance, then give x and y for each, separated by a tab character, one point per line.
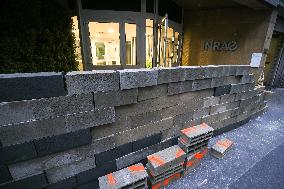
33	182
127	177
63	142
169	75
26	86
110	155
5	175
115	98
92	81
57	174
134	78
146	93
16	153
219	91
219	149
65	184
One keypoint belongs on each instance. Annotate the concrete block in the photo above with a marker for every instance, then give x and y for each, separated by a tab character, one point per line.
131	176
179	87
220	81
100	116
65	184
33	182
26	86
134	78
90	185
213	71
246	95
247	79
161	161
92	81
238	88
197	146
194	72
193	161
222	146
16	153
218	109
201	84
164	176
115	98
5	175
229	70
95	173
169	75
63	142
211	101
183	119
243	70
110	155
193	134
201	113
146	93
146	142
227	98
166	182
216	117
57	174
219	91
28	131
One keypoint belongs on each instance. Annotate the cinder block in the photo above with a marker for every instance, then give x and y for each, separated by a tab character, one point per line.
92	81
131	177
16	153
201	113
243	70
164	176
221	147
146	93
33	182
195	146
57	174
201	84
216	117
146	142
161	161
220	81
169	75
95	173
115	98
65	184
219	91
211	101
238	88
218	109
194	72
246	95
193	161
179	87
137	156
26	86
89	119
5	175
196	133
166	181
63	142
110	155
227	98
247	79
134	78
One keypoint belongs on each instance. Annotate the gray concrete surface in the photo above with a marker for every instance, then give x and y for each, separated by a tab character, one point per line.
256	159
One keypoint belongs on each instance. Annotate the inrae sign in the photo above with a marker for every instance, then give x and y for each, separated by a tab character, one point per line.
220	45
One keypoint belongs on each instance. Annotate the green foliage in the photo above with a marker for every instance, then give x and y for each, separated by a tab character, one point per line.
36	36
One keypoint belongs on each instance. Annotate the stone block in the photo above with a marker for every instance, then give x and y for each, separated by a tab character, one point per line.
220	81
57	174
134	78
216	117
246	95
247	79
137	156
97	117
239	88
195	134
5	175
110	155
146	93
95	173
219	91
213	71
218	109
193	161
211	101
201	84
33	182
219	149
194	72
147	141
26	86
229	70
243	70
92	81
201	113
227	98
64	184
169	75
16	153
179	87
115	98
63	142
134	176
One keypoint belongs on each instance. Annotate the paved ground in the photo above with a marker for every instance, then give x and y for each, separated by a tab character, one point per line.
255	161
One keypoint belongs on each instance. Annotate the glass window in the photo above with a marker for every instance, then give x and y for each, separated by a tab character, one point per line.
130	43
149	42
105	43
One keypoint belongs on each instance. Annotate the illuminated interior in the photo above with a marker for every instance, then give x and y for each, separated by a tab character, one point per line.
131	44
149	42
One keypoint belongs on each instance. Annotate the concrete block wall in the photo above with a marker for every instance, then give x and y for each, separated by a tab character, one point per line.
66	131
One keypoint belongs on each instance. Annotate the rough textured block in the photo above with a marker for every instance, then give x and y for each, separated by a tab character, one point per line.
113	154
89	119
65	184
193	72
169	75
201	84
92	81
238	88
192	161
152	92
91	185
134	176
179	87
5	175
218	109
211	101
243	70
222	90
246	95
57	174
247	79
196	133
201	113
220	81
16	153
33	182
146	142
221	147
115	98
134	78
166	181
227	98
25	86
95	173
229	70
63	142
